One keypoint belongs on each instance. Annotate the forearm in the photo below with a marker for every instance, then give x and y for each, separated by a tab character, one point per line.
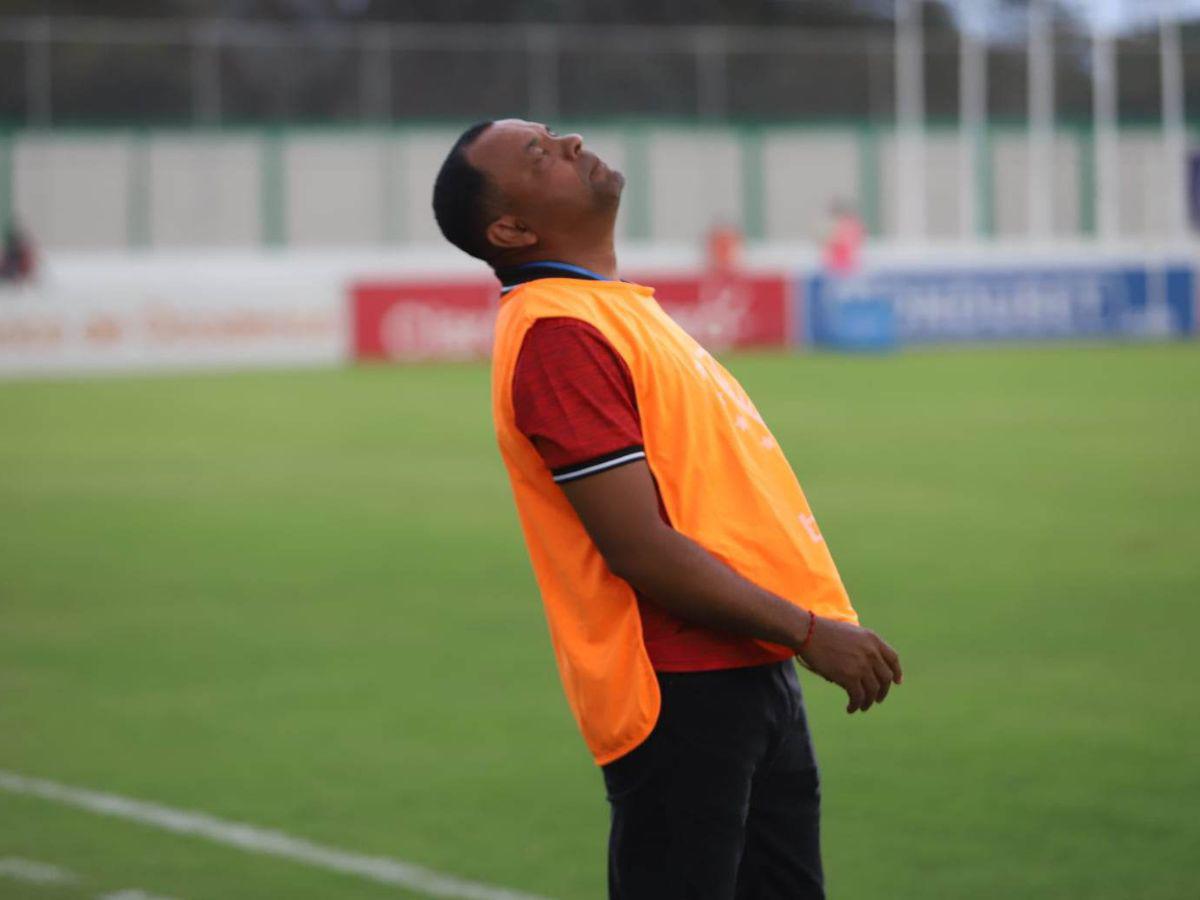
687	581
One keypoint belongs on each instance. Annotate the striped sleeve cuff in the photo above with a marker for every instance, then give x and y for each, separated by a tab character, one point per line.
598	464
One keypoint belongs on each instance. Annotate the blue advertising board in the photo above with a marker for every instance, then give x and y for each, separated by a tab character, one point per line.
876	310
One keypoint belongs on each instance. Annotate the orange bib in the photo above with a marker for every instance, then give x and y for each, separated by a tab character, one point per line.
723	479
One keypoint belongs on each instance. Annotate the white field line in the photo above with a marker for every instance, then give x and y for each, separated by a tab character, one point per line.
36	872
260	840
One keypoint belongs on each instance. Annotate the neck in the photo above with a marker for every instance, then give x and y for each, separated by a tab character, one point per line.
601	258
602	261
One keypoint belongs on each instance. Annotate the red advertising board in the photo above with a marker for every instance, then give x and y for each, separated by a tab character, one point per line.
425	320
722	311
416	320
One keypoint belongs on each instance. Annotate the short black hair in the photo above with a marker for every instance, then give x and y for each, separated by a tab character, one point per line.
463	197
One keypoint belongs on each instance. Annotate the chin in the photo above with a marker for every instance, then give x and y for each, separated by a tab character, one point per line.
613	185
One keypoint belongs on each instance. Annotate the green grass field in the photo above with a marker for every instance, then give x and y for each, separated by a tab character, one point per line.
300	600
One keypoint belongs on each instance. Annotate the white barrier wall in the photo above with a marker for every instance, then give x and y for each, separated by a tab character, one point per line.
125	314
73	191
330	188
94	313
803	172
695	182
204	191
941	185
424	152
1010	156
337	189
1143	183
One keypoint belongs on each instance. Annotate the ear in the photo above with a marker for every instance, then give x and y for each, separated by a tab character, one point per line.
510	233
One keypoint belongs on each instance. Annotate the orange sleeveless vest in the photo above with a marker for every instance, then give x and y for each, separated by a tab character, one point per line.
723	479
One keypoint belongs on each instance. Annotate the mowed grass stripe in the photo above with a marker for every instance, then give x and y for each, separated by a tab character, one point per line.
257	840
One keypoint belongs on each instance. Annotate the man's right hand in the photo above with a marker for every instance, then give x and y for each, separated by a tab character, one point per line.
619	509
854	658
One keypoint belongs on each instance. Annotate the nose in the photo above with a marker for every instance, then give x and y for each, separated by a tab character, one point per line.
572	145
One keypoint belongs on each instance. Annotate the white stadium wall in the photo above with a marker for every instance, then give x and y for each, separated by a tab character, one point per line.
74	192
90	313
204	190
182	249
803	171
1143	183
328	188
695	181
941	185
93	313
424	151
337	189
1010	155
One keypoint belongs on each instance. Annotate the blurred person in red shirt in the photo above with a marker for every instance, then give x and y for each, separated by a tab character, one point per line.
724	249
843	244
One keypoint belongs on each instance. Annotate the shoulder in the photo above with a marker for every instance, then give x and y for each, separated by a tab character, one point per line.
562	347
572	394
553	330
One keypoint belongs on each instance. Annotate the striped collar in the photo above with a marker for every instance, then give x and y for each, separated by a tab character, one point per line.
513	276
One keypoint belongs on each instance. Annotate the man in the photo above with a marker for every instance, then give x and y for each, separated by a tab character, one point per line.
680	567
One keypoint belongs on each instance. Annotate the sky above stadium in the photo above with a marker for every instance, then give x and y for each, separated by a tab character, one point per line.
1116	16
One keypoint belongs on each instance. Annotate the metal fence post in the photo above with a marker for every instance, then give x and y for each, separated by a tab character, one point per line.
541	65
712	85
1040	184
1174	124
376	100
39	85
206	75
1104	105
911	195
972	100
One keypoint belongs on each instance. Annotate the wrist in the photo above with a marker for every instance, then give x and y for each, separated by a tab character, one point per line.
806	637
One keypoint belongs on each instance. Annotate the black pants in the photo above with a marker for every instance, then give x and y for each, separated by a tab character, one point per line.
722	801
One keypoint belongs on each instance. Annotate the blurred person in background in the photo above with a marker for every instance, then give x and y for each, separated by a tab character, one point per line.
680	567
723	249
17	262
843	243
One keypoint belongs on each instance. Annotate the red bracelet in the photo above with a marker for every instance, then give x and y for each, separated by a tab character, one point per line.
812	624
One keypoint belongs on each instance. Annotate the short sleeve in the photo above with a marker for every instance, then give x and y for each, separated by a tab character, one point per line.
574	399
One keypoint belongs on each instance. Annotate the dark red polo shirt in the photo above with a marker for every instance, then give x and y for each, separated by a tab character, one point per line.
574	399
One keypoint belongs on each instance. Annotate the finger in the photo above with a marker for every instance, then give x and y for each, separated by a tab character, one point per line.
884	674
855	692
893	660
870	690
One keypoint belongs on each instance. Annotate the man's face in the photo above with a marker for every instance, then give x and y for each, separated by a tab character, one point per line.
550	181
